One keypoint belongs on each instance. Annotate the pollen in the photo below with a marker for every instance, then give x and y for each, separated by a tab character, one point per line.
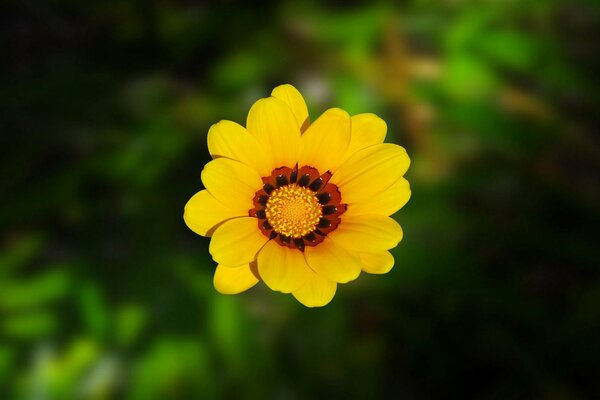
293	210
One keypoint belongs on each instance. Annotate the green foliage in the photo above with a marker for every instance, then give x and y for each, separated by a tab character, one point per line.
94	311
173	367
130	320
47	287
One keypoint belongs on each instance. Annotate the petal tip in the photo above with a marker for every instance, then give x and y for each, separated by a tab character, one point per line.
312	303
282	87
233	280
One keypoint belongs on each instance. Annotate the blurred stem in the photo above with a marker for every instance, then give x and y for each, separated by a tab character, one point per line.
397	65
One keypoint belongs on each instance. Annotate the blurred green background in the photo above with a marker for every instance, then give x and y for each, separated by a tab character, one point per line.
105	293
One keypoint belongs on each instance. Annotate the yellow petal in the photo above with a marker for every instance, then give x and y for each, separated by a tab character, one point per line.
234	280
332	261
281	268
324	143
370	171
292	97
203	212
377	263
316	292
231	182
237	241
275	127
386	203
228	139
367	233
367	130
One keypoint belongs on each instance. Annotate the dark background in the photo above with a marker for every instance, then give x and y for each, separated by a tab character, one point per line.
105	293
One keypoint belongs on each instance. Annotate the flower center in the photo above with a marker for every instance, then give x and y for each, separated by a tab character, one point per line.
293	210
297	207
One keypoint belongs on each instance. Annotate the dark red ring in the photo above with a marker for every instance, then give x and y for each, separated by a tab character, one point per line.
327	193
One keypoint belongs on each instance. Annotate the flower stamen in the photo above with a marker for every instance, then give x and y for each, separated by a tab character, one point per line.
297	207
293	210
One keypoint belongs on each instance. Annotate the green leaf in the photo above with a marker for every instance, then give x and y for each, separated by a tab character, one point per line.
40	290
7	358
93	309
19	253
510	49
173	368
468	78
30	325
130	320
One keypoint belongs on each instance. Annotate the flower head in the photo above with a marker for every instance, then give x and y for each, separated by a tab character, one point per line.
299	206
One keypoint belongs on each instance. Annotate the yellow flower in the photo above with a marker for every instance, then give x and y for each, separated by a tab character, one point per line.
301	206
